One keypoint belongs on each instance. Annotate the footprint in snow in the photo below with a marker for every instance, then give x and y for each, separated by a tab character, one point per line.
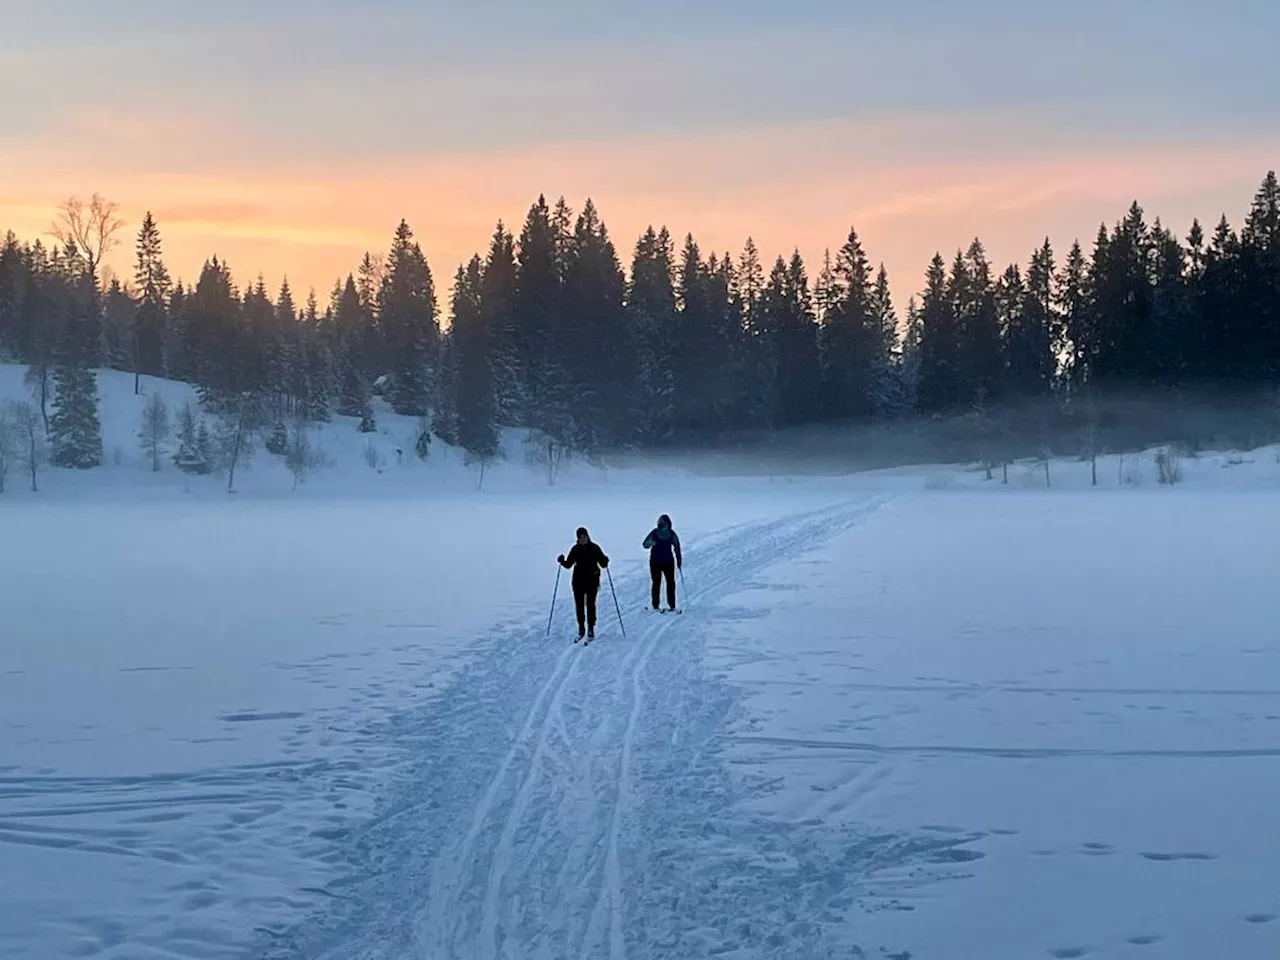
956	855
1170	857
251	716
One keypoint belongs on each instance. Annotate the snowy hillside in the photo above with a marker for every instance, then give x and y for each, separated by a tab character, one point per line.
354	463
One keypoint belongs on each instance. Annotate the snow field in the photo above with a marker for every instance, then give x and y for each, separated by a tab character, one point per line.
200	701
1081	692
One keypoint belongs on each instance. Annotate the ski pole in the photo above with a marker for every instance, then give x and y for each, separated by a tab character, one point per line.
553	599
682	589
615	601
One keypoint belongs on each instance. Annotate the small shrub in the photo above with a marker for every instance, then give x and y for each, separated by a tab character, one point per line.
1169	463
278	442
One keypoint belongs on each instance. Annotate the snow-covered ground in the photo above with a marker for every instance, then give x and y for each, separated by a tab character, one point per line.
913	714
1069	705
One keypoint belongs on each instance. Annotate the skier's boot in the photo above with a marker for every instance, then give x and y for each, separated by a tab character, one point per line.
581	631
591	633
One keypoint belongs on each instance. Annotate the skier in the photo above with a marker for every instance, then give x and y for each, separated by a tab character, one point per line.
664	559
587	559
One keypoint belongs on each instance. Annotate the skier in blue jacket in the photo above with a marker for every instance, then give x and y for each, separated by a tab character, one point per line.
664	559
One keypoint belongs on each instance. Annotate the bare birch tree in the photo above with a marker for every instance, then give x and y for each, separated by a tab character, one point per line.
30	431
8	442
91	229
155	429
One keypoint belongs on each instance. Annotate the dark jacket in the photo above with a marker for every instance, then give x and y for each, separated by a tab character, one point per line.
663	544
586	559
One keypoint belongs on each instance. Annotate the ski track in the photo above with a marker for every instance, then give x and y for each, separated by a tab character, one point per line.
562	800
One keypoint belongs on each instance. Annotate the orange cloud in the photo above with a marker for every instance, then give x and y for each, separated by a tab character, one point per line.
910	185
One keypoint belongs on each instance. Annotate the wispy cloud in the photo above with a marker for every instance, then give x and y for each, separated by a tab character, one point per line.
910	185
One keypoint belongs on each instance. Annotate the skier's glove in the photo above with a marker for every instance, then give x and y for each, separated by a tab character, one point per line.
560	559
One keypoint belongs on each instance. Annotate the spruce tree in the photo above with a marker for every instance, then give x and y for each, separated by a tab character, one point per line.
476	426
1024	345
15	276
1223	302
591	335
981	353
788	315
217	342
848	341
151	278
118	311
373	350
205	449
1122	299
756	398
315	337
536	318
694	348
1171	309
909	361
285	373
727	321
177	365
444	419
1259	267
1076	316
407	306
883	339
353	387
259	368
75	431
940	365
651	311
193	453
498	304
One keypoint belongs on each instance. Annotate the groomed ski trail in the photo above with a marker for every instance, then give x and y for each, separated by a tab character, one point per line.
561	801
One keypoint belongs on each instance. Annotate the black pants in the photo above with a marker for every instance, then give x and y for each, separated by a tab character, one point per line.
584	595
656	572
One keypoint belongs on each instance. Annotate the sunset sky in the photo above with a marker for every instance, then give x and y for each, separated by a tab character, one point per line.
288	137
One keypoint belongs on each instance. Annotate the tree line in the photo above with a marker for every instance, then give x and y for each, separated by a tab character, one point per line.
546	330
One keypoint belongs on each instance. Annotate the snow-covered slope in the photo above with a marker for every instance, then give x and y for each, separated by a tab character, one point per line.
356	464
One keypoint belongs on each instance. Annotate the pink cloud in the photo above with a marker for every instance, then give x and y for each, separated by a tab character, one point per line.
910	185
